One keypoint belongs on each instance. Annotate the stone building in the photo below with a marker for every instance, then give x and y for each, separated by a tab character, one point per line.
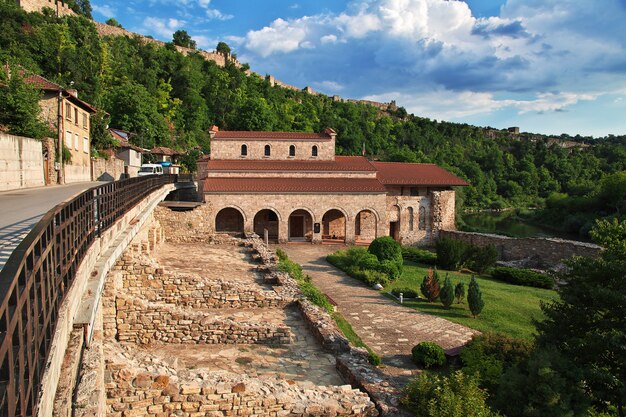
293	185
69	116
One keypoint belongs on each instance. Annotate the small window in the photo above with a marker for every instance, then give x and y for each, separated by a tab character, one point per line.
268	150
75	115
68	111
292	150
411	219
314	151
244	150
85	144
422	220
68	139
84	120
76	141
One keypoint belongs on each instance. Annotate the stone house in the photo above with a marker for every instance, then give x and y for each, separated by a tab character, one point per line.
69	116
127	152
293	185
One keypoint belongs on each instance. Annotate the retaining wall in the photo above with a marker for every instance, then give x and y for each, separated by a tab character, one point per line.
546	250
111	169
21	162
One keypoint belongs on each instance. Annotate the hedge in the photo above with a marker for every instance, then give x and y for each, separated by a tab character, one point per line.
524	277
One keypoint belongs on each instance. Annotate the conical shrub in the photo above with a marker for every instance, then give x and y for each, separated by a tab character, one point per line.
475	297
446	296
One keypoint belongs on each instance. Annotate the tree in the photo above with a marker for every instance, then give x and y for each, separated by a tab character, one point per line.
446	296
223	48
19	106
81	7
430	285
459	292
113	22
475	297
100	136
182	38
587	325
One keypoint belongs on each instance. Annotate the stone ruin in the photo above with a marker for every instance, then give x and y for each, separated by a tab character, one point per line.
212	328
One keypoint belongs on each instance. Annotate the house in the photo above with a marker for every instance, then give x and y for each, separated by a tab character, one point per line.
295	187
69	116
127	152
167	158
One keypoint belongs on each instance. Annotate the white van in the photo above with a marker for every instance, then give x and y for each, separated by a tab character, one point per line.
150	169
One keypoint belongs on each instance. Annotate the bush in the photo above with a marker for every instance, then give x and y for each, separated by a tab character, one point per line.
387	249
475	297
457	395
419	256
367	261
451	253
390	268
524	277
482	258
428	355
430	285
406	292
459	292
446	295
371	277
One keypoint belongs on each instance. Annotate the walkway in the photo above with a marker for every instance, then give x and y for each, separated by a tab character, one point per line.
386	327
21	209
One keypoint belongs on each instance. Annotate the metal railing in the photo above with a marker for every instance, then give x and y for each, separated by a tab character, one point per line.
38	275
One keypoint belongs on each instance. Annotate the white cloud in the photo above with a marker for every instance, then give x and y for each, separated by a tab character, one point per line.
280	36
105	10
162	27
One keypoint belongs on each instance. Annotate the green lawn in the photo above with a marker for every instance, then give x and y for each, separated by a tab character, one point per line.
509	309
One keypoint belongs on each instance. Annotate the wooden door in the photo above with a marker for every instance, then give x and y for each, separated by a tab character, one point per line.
296	227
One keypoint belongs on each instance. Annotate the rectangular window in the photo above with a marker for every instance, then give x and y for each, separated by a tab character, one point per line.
75	115
68	111
76	141
84	120
86	145
68	139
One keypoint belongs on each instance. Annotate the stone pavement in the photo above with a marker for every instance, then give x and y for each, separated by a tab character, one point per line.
389	329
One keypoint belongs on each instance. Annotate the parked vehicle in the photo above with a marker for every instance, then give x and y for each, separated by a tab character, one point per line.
150	169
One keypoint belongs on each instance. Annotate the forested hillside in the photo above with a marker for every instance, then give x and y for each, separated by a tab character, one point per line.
169	99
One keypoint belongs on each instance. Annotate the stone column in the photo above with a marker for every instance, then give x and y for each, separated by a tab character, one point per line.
283	230
350	237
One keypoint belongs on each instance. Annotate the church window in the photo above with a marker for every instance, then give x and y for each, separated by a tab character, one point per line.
292	150
411	219
422	224
244	150
314	150
268	150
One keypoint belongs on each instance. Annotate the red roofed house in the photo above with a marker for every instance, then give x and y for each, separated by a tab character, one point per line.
293	185
69	116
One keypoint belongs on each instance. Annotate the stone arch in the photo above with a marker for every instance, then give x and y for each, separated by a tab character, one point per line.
395	221
366	225
334	225
314	151
300	225
267	218
230	219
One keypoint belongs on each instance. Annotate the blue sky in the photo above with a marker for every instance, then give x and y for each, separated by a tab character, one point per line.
547	66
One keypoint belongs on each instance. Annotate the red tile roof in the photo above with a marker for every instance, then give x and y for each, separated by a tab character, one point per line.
162	150
122	137
399	173
40	82
292	185
227	135
340	164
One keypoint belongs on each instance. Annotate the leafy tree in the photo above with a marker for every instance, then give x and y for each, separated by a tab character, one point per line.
430	285
82	7
100	136
19	106
387	249
182	38
459	292
475	297
223	48
446	296
113	22
587	325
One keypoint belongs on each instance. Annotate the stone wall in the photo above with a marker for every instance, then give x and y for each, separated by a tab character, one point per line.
187	226
50	151
38	5
547	252
443	212
111	169
231	149
21	162
143	322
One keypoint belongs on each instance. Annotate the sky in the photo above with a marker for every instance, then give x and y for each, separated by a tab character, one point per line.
547	66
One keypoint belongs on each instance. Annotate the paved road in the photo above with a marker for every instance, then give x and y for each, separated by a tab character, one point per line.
388	328
21	209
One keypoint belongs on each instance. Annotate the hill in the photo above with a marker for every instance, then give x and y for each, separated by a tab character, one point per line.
169	98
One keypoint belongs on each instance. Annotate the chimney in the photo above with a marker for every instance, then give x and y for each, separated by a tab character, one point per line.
213	130
72	92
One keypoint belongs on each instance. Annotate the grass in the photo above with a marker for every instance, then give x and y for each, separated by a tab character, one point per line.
509	309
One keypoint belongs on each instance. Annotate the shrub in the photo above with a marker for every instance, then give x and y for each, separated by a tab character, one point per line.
367	261
482	258
446	296
428	355
390	268
451	253
457	395
387	249
406	292
430	285
371	277
524	277
459	292
475	297
419	255
373	358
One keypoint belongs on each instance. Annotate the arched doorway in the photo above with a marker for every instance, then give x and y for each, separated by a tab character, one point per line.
300	226
365	227
334	226
229	220
266	219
